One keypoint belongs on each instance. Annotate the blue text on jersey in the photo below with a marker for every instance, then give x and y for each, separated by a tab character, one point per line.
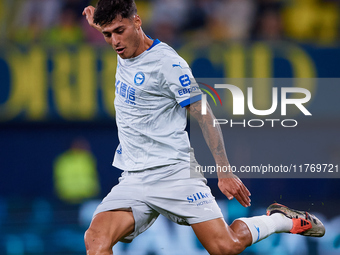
127	92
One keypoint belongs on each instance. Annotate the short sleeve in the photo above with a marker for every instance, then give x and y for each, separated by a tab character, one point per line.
180	82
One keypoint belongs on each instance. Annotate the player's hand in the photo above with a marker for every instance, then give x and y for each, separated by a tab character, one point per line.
233	187
89	12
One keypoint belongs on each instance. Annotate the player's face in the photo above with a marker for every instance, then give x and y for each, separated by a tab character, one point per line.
124	35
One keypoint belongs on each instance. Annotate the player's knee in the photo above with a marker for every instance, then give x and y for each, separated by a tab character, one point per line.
227	248
95	240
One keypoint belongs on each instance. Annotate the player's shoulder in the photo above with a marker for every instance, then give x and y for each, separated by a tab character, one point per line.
170	58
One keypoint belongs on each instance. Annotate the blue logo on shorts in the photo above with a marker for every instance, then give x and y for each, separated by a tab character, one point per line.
139	78
198	196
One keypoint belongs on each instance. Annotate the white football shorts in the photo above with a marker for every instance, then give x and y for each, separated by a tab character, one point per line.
171	190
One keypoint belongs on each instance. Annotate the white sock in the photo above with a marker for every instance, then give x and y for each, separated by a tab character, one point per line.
263	226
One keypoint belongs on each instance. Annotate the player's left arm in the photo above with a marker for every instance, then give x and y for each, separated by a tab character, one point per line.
89	13
229	184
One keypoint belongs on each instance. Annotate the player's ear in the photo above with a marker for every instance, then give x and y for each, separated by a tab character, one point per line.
137	21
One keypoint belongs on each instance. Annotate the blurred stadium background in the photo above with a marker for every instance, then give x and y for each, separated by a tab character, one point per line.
58	134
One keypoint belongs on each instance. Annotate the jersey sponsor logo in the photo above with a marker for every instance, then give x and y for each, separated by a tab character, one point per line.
187	90
127	92
139	78
185	80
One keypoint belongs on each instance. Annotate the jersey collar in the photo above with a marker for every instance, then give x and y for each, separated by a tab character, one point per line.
155	42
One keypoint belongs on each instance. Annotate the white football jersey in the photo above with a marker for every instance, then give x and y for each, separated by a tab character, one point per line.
152	90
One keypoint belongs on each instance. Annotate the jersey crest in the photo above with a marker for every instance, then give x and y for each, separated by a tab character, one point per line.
139	78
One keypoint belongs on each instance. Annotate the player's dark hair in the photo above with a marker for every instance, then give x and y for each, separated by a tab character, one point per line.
107	10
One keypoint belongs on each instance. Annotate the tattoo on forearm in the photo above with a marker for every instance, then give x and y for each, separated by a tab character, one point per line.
212	135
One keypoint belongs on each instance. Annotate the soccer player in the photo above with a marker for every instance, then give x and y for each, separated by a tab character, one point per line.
151	101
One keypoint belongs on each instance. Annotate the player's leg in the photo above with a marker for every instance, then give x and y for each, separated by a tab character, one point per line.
121	216
106	229
219	238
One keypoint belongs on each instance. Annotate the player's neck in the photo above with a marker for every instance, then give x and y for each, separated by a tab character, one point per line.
145	44
147	41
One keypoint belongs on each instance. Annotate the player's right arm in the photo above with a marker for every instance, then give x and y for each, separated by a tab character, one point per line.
181	85
230	185
89	12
